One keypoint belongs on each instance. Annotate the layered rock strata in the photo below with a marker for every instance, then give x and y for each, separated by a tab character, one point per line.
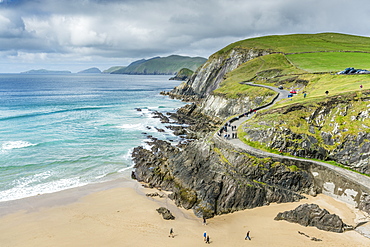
313	215
213	177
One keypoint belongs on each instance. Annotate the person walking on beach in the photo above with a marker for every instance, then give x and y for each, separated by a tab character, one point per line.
207	240
205	236
171	233
204	220
247	236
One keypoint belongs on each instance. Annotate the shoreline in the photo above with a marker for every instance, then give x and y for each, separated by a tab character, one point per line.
118	213
66	196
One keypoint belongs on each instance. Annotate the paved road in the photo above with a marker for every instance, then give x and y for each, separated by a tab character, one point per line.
283	94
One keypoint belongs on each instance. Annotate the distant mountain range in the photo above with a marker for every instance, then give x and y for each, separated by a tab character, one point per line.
159	65
170	65
44	71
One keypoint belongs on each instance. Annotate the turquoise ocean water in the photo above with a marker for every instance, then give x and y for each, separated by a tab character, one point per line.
64	131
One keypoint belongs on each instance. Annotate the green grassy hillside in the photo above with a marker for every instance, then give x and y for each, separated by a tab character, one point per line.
330	61
112	69
316	55
162	65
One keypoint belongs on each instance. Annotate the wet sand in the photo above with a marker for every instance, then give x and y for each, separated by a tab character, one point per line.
119	214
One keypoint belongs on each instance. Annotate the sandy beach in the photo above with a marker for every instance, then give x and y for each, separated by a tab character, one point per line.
119	214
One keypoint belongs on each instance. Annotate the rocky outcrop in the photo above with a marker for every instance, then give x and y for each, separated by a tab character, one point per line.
166	214
214	178
313	215
209	76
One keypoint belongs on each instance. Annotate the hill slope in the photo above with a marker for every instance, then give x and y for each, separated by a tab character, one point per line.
161	65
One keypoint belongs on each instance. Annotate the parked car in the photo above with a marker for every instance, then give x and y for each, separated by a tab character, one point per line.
353	71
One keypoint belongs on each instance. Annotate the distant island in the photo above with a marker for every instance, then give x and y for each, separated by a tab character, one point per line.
170	65
93	70
44	71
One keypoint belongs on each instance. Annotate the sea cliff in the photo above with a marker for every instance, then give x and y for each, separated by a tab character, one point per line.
212	176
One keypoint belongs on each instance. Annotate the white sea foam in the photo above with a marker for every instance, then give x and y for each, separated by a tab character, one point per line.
138	126
127	156
24	190
146	145
125	169
16	144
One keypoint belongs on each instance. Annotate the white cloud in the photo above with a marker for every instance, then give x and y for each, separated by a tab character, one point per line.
122	31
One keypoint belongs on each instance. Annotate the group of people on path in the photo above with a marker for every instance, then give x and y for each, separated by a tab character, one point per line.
225	128
206	236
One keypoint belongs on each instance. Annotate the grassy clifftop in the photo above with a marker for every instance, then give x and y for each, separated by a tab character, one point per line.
307	61
298	43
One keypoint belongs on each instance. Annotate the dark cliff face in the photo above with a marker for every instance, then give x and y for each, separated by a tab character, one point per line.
212	179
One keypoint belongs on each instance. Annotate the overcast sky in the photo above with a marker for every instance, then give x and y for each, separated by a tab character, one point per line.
79	34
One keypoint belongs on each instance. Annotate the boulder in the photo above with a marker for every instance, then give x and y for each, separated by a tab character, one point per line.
313	215
166	214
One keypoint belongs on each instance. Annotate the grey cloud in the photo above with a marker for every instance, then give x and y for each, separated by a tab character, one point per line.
134	29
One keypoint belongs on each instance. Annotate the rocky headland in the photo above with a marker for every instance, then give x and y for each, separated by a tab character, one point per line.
212	175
